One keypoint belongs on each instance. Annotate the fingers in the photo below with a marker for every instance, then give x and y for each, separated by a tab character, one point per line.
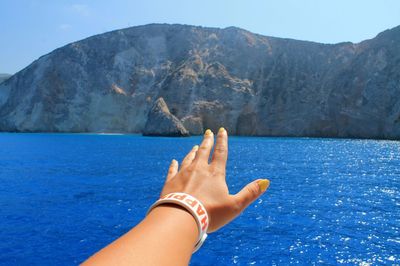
251	192
220	154
205	147
189	157
173	169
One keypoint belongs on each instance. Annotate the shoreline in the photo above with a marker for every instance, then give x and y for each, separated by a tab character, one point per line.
183	137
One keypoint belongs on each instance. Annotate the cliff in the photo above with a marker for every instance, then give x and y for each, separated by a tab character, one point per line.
210	77
160	122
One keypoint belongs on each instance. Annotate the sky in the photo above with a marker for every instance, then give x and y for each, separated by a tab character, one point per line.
32	28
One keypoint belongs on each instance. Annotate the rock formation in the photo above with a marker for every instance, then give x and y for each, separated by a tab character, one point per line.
160	122
209	77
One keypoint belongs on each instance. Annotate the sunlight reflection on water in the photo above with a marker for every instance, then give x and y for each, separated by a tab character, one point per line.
330	201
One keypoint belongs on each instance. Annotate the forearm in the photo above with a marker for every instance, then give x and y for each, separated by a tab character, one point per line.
166	236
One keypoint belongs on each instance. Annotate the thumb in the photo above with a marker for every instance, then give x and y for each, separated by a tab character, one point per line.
251	192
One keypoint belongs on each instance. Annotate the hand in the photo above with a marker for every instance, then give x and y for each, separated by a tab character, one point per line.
206	181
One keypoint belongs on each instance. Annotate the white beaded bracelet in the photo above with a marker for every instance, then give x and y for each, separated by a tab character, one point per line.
195	208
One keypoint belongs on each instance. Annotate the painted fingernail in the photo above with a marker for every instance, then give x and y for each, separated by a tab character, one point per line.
195	147
263	184
221	129
208	132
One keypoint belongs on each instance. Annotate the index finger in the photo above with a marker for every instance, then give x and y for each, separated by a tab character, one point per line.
220	154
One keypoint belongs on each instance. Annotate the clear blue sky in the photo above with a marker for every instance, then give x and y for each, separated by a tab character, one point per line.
31	28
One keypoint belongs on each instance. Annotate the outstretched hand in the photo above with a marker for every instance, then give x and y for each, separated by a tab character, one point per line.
149	242
205	180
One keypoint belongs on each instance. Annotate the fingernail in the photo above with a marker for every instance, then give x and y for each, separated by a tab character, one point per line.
263	184
221	129
208	132
174	161
195	147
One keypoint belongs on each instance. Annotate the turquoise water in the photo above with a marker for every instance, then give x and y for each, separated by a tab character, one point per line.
65	196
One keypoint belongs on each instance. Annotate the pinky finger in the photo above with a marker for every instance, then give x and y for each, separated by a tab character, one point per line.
173	169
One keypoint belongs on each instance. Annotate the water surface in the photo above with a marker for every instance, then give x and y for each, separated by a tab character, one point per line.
65	196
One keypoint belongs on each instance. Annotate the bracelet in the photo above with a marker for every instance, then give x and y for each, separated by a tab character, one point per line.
195	208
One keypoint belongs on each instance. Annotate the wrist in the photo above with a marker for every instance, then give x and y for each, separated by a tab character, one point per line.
176	219
191	205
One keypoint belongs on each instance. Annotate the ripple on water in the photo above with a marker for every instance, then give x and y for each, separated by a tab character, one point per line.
330	201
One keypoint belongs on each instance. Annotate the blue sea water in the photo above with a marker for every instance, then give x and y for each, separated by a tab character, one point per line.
65	196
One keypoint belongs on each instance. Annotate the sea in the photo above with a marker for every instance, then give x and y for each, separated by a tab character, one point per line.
331	201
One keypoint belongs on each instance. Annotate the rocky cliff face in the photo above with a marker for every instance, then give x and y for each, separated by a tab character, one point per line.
208	77
160	122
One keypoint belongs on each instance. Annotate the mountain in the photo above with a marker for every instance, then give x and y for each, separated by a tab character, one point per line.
3	77
207	78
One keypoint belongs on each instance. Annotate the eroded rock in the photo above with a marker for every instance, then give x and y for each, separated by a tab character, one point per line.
160	122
